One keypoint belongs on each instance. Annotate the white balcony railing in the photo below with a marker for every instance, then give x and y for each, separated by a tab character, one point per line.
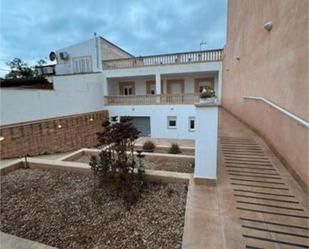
163	99
164	59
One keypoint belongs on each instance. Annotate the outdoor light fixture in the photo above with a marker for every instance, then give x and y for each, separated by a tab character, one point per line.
1	138
238	57
268	26
90	119
59	126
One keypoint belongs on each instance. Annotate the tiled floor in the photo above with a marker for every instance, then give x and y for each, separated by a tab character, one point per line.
256	204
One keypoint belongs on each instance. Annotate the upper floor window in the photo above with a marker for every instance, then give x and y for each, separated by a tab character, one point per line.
82	64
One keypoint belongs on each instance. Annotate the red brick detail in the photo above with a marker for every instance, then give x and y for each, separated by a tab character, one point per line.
51	135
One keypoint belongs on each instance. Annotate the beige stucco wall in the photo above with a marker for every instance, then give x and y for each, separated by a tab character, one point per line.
110	51
273	65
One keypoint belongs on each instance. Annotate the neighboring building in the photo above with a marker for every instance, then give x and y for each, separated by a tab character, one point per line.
266	61
157	91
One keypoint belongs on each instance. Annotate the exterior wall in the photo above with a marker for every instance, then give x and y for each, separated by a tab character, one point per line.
110	51
273	65
87	48
72	94
46	136
206	144
158	118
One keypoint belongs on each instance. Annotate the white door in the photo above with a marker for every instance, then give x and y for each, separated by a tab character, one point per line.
127	90
176	88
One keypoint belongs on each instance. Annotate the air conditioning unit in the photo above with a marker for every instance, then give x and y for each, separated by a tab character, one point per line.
64	56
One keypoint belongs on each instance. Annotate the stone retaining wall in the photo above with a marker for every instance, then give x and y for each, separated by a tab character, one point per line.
47	136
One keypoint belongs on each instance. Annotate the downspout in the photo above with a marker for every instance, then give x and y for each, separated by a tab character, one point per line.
97	51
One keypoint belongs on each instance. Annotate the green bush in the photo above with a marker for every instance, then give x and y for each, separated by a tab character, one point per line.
115	168
174	149
149	146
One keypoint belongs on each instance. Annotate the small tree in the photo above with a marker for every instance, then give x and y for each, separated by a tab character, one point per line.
19	69
116	167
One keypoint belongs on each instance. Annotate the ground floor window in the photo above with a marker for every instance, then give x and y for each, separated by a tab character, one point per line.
172	122
191	123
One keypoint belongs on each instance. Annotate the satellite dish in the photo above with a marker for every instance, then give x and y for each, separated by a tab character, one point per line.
52	56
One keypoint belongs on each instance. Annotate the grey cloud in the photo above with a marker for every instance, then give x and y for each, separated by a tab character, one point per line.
30	29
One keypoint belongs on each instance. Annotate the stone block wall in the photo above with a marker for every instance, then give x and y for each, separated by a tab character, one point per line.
48	136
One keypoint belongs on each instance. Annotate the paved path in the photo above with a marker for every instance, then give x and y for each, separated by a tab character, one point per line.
56	156
256	204
8	241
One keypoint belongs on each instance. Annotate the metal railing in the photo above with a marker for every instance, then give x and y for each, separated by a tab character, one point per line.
163	99
282	110
164	59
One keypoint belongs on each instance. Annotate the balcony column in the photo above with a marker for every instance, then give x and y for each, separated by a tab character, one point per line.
105	89
158	87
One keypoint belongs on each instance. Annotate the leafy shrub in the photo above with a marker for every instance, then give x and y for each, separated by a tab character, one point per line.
207	92
174	149
149	146
116	166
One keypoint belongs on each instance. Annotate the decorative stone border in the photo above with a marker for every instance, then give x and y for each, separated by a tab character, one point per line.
84	168
85	151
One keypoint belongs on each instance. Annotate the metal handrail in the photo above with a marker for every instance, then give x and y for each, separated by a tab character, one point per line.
284	111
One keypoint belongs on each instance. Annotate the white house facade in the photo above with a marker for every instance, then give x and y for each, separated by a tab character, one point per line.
158	92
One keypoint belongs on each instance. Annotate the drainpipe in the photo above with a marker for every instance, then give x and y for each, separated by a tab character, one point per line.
97	51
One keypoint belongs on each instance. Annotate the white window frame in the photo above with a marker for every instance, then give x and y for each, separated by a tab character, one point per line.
171	118
82	64
190	119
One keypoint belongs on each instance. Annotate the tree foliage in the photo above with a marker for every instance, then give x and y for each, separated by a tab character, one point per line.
19	69
116	166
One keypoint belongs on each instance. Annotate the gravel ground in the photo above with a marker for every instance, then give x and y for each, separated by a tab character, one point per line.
60	209
160	163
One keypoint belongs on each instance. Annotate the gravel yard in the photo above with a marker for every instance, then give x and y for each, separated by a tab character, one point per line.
160	163
60	209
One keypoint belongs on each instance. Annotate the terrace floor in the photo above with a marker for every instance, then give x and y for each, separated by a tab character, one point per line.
256	204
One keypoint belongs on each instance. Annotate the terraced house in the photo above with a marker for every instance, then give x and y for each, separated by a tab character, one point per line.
249	143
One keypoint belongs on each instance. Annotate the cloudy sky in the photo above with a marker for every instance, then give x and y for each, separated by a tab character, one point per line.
30	29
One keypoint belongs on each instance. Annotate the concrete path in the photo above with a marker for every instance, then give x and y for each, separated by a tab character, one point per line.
8	241
55	156
256	204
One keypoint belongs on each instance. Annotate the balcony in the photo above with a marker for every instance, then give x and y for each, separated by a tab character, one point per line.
163	99
164	59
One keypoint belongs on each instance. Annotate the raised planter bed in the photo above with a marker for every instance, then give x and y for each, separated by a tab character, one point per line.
59	208
151	161
164	149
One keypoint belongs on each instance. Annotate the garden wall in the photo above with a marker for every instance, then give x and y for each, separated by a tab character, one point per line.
46	136
72	94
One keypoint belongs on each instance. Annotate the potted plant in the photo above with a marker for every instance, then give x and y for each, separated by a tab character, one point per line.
207	95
